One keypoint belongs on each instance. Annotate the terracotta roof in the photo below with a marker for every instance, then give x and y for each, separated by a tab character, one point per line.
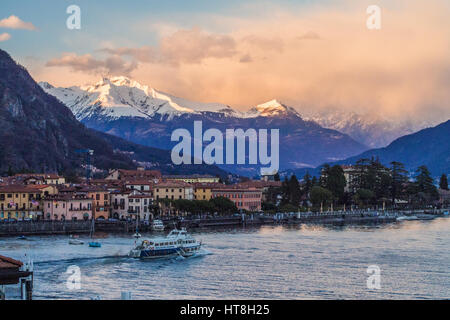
6	262
139	173
192	176
17	188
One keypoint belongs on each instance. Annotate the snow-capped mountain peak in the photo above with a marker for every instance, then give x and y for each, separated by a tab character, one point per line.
272	108
118	97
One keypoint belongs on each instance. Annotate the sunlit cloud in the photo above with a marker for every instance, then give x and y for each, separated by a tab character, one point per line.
4	36
113	65
14	22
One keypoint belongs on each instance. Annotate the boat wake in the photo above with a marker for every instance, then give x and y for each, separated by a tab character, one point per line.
112	259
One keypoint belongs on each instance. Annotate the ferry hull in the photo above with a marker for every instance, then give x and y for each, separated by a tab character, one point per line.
163	253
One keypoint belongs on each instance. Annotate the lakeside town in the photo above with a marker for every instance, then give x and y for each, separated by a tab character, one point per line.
144	195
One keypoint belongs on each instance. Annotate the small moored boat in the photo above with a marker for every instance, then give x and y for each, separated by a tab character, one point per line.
407	218
177	243
75	241
95	244
157	225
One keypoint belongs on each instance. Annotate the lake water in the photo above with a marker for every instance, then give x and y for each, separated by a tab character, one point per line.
302	262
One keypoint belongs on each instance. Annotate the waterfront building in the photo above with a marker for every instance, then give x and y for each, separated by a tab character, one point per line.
271	189
119	204
193	178
140	205
68	206
173	190
22	202
100	205
100	201
131	203
248	199
203	190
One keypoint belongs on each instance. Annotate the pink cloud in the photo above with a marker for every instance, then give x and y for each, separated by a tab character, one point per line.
14	22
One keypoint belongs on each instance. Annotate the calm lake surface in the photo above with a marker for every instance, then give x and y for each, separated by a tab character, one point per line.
303	262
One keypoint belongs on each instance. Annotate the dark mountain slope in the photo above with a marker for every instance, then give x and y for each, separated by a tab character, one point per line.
39	133
430	147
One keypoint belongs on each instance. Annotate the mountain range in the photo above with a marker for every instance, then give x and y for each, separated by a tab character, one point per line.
144	115
372	130
429	147
39	133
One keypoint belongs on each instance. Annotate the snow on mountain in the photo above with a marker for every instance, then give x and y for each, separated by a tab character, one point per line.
369	129
271	108
119	97
122	97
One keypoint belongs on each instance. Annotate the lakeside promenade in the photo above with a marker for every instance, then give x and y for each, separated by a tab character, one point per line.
52	227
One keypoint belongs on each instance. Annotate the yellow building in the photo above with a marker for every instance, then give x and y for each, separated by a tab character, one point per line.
173	191
194	178
39	178
22	202
202	190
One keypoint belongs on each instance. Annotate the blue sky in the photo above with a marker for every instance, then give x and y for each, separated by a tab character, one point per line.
115	20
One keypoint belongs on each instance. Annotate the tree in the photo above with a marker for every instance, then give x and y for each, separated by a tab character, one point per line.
425	184
399	177
443	182
294	191
320	196
335	182
276	177
223	205
285	191
364	196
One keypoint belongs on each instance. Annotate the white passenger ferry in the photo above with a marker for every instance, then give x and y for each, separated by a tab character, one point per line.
177	243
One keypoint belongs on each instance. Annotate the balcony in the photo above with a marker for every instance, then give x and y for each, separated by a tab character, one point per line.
78	209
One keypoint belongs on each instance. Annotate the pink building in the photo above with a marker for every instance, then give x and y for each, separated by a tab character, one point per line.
68	206
246	199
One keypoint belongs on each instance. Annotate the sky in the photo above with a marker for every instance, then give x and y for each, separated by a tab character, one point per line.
309	54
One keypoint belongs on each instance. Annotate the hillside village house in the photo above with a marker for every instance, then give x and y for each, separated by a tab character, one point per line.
142	185
68	206
193	178
40	178
244	198
139	174
23	202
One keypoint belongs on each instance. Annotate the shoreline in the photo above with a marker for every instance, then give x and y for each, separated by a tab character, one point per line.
30	228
